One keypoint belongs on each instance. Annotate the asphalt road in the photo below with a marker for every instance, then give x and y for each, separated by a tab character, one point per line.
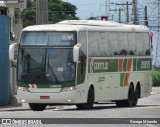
147	108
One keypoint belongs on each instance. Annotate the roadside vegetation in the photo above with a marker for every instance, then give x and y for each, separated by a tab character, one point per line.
156	78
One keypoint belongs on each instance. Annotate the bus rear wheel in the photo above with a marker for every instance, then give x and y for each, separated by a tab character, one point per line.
90	101
130	100
136	95
37	107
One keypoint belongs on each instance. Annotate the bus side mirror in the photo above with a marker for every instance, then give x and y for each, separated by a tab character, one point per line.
13	52
76	52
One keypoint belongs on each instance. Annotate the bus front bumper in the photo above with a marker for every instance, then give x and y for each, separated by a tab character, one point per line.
68	97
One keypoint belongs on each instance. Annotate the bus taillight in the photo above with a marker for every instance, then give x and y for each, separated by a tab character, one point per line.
151	36
104	18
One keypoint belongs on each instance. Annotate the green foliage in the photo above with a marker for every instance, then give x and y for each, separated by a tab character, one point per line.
156	78
29	14
57	11
93	18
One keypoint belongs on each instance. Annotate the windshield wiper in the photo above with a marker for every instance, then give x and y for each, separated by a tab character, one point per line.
54	75
52	72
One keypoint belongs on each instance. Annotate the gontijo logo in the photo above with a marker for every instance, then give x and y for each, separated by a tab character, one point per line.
101	65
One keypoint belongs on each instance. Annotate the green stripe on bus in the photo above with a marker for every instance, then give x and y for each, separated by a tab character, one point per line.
111	65
22	84
122	79
125	65
134	64
68	84
142	64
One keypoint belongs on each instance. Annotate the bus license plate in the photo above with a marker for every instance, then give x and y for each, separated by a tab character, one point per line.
44	97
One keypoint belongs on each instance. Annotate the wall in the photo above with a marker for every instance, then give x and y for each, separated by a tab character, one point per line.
4	59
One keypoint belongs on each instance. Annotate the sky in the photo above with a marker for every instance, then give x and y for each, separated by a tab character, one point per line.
87	8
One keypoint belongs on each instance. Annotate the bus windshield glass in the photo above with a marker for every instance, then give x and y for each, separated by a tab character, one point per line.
46	65
52	38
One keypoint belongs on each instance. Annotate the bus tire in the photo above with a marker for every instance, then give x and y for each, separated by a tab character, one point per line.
130	100
136	92
119	103
37	107
90	101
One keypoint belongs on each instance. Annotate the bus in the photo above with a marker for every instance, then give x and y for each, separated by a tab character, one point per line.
82	62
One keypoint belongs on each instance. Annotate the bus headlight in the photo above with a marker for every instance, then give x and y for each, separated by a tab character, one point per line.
23	89
68	88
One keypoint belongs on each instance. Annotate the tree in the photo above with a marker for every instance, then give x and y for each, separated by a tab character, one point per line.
29	14
93	18
57	10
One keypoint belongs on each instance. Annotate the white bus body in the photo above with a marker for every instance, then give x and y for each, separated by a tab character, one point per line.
83	62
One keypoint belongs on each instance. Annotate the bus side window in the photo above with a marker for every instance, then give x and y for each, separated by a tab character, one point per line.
145	38
139	44
113	43
122	43
123	52
103	44
131	53
131	43
147	52
93	48
83	40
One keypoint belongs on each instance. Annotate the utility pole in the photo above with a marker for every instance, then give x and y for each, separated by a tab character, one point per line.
41	11
127	10
134	3
119	11
107	8
145	17
119	15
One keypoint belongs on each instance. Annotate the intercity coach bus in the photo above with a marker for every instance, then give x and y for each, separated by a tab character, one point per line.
82	62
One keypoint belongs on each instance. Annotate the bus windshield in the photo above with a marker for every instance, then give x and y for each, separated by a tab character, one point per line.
46	65
52	38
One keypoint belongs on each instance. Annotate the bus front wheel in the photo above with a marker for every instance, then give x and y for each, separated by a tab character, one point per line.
90	101
37	107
